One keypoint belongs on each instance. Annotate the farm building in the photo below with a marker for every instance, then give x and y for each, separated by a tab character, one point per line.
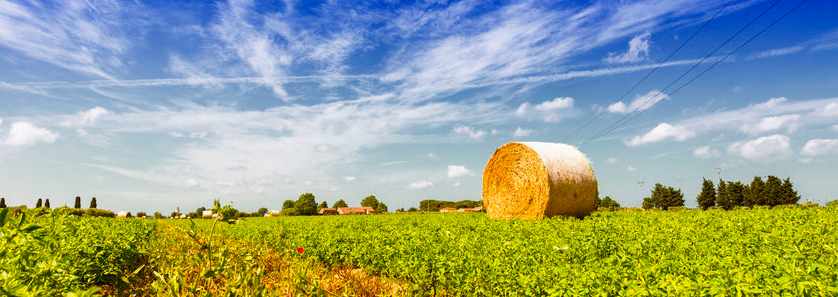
123	214
328	211
447	209
475	209
356	210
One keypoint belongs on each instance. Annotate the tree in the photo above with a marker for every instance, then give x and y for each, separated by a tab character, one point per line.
305	205
648	203
46	203
322	205
200	210
789	195
158	215
141	214
78	202
608	202
666	197
773	191
175	215
736	193
2	202
39	203
412	209
756	193
262	211
381	207
723	199
287	204
288	212
370	201
400	209
93	203
707	198
340	203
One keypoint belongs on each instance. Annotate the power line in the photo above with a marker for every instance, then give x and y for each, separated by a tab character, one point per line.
614	127
650	72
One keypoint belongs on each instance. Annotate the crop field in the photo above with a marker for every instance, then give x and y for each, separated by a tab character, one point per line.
780	251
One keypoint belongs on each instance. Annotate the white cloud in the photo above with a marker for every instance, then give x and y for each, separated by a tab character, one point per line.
639	103
349	178
471	132
457	184
25	133
1	121
630	168
420	184
776	52
764	149
612	161
772	123
520	132
818	147
661	132
455	171
494	132
638	50
771	103
90	116
828	110
705	152
432	156
550	111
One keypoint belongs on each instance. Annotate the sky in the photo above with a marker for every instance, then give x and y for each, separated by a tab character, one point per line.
152	105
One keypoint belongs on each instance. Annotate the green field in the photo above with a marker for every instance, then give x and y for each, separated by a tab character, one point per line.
780	251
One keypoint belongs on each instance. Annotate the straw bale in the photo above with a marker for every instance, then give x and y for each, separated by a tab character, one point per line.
123	214
537	179
207	214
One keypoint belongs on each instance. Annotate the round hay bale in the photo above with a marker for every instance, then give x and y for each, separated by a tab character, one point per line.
537	179
207	214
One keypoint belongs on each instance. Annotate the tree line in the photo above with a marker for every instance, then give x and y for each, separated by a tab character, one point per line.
728	194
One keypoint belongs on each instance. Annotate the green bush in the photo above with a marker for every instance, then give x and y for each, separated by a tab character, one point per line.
288	212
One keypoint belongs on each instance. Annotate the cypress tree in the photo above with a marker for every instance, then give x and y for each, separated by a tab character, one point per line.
723	196
773	191
2	202
789	194
756	193
707	198
736	193
39	203
46	203
78	202
93	203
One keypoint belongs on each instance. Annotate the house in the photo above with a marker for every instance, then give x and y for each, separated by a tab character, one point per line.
356	210
447	209
475	209
123	214
328	211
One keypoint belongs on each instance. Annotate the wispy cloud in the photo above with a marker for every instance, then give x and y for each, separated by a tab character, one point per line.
88	37
641	102
776	52
638	51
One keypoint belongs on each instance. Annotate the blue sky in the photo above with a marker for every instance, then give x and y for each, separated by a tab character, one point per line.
150	105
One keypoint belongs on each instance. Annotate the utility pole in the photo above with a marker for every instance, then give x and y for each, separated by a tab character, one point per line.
718	170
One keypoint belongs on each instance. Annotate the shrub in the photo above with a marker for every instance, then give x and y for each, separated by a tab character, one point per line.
288	212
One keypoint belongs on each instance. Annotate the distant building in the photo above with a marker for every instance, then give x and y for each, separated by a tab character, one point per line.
475	209
328	211
447	209
356	210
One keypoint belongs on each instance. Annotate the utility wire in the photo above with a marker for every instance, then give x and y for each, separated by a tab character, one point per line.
711	66
650	72
623	120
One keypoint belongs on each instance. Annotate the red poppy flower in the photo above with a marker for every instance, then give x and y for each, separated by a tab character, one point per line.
300	250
